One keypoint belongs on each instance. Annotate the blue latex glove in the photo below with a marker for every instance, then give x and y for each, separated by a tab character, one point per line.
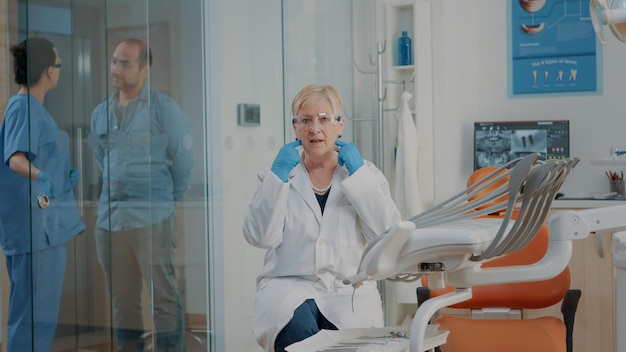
74	176
46	187
288	157
349	156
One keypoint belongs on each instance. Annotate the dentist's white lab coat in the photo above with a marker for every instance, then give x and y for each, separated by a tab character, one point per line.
309	254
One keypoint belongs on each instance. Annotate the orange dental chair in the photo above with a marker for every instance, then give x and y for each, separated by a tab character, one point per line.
500	333
452	242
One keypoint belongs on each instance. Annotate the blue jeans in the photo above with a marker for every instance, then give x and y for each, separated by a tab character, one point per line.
307	321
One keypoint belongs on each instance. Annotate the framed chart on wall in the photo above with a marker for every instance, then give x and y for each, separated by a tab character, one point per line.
552	47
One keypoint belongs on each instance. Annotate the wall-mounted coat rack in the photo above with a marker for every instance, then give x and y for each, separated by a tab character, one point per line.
381	96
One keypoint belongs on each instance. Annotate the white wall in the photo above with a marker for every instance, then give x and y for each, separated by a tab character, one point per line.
250	55
471	66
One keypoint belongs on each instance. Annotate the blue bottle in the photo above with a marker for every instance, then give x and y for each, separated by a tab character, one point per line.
405	50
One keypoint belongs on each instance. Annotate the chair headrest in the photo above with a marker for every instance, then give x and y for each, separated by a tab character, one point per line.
482	174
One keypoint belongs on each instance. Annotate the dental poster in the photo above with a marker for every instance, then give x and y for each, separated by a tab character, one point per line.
553	47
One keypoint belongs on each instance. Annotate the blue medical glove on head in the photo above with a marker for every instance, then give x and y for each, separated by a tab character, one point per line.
46	187
349	156
74	176
288	157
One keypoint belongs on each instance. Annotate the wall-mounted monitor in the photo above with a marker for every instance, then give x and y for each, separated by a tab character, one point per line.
497	142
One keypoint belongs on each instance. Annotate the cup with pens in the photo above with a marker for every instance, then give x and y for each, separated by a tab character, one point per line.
616	182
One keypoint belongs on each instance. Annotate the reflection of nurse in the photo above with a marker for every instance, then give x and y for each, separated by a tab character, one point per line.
33	238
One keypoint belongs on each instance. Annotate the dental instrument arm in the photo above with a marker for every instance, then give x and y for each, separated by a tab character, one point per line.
575	225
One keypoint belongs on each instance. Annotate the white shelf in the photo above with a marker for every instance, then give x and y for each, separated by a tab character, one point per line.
403	68
608	162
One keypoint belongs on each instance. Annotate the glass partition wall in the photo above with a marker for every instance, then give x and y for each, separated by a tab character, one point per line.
147	268
136	122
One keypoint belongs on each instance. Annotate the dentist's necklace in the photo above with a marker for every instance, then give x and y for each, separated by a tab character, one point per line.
319	190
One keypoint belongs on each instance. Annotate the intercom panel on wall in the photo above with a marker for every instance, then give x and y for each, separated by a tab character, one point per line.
249	114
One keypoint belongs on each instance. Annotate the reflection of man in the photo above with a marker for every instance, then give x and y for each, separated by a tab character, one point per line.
142	142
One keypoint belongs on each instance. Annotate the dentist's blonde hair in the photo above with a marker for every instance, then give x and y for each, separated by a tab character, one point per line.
314	93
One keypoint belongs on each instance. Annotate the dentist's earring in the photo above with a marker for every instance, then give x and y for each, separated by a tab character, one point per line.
339	136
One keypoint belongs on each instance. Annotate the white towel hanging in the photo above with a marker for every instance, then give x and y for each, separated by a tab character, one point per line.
407	195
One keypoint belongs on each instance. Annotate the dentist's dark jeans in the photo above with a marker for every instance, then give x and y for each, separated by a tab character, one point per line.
307	321
128	256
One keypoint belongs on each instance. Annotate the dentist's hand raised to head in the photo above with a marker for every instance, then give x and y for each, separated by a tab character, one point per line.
349	156
288	157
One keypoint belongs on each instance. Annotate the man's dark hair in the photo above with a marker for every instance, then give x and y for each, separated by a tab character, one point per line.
144	55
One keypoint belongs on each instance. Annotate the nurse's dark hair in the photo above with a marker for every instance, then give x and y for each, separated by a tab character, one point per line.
145	53
31	57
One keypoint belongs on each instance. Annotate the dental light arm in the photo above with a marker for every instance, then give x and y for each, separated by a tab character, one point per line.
613	15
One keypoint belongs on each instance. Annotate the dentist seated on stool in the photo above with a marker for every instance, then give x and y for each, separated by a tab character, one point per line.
314	213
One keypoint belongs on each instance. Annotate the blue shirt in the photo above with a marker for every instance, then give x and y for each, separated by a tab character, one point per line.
145	153
27	127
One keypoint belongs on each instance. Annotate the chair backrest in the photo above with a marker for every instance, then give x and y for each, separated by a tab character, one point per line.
519	295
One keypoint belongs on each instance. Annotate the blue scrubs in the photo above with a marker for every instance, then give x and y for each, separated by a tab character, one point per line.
33	239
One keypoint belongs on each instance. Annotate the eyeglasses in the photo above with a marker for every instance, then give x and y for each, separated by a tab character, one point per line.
323	121
59	65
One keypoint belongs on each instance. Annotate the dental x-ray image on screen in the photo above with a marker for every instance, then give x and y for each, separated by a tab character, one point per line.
496	143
